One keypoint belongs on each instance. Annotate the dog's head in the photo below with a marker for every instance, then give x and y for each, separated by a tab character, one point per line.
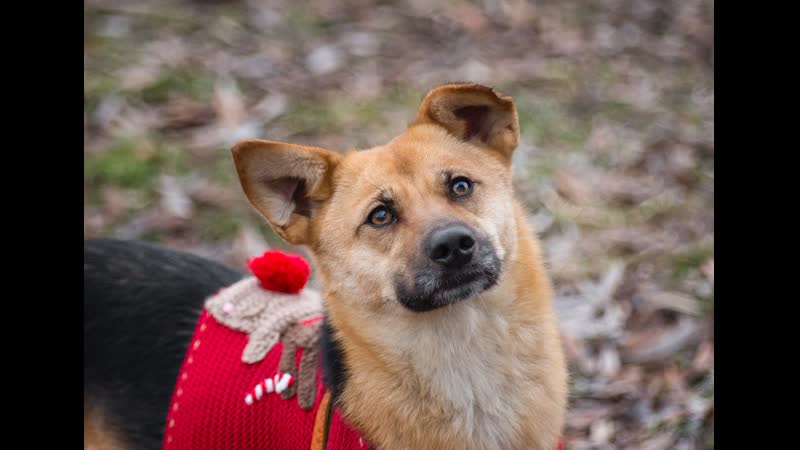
423	221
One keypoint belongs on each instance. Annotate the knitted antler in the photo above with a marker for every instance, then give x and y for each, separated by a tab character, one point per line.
303	336
263	315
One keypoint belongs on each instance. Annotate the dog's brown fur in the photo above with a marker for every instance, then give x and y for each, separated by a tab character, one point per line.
97	434
484	373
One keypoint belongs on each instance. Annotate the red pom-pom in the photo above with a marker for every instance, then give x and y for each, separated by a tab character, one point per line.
280	272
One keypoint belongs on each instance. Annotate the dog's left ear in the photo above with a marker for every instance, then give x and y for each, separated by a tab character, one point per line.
474	113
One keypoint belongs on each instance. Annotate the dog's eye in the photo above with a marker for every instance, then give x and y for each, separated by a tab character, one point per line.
460	187
380	216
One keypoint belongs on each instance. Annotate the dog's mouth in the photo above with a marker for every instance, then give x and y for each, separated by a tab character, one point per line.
434	289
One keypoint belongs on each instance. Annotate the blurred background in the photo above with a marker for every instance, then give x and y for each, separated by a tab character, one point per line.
616	164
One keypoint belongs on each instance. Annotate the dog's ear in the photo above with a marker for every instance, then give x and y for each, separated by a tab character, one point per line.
474	113
286	183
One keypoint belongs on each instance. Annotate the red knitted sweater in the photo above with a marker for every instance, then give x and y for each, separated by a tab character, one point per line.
210	407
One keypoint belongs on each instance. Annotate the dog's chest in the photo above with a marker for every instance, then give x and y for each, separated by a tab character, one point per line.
467	369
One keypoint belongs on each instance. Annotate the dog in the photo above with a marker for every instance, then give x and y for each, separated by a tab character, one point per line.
439	330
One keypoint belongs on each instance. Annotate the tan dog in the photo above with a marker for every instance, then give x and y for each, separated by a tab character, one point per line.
433	281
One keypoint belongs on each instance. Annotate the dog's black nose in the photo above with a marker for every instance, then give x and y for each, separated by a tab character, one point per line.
451	246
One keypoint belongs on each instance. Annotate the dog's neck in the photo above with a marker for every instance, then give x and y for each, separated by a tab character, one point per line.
436	344
466	371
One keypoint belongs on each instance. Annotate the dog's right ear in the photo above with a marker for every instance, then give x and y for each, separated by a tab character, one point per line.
285	183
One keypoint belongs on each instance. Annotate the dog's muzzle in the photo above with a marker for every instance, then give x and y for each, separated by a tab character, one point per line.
457	264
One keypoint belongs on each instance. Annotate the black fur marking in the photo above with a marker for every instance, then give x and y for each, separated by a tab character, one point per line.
433	287
140	307
334	371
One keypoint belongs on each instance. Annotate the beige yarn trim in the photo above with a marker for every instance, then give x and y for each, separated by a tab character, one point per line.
263	315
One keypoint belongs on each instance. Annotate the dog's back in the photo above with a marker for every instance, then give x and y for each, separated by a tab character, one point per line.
140	306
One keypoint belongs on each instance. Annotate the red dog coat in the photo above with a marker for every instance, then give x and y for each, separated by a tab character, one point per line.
216	404
250	378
